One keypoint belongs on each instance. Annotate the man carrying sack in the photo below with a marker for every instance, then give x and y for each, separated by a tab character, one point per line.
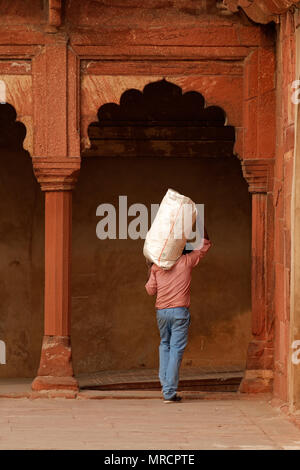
172	288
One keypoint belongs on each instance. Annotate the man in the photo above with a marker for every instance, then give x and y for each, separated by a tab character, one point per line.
172	288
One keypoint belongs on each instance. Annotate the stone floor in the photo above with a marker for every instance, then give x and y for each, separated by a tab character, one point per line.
221	422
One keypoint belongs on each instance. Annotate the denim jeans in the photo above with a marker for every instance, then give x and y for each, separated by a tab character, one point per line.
173	324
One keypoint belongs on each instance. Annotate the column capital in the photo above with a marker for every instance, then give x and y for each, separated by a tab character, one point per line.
56	174
258	172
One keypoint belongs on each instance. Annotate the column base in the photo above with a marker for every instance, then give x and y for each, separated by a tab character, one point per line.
259	368
55	370
257	381
260	355
49	383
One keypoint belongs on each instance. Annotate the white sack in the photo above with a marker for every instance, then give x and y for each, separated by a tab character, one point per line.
170	229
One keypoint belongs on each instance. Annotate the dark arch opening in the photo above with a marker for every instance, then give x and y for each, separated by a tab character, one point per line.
155	139
21	251
161	101
157	122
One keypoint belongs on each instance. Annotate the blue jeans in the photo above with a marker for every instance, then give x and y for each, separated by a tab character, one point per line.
173	324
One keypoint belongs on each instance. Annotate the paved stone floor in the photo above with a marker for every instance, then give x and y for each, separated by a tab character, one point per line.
144	424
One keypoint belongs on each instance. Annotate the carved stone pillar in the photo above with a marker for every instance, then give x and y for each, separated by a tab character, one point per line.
259	366
57	178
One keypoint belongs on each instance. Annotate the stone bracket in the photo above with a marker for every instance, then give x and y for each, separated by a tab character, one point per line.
259	174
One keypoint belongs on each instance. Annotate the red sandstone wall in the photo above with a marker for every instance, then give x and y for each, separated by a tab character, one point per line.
282	199
22	12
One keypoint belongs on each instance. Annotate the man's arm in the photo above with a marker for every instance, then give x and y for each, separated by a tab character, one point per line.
194	257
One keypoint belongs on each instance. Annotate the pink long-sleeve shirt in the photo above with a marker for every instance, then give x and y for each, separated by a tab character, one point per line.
173	286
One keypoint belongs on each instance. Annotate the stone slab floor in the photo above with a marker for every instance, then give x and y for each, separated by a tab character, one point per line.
144	424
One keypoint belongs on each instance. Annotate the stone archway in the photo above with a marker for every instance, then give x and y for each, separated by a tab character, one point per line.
236	72
156	115
21	252
162	121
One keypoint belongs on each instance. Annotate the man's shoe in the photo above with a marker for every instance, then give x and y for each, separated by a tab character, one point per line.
174	399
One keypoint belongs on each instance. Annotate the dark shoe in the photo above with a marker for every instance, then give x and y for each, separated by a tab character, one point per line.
174	399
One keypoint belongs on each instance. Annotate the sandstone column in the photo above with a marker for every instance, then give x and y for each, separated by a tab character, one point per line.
294	353
259	366
57	178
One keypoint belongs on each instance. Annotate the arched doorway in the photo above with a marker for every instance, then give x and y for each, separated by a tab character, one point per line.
153	140
21	251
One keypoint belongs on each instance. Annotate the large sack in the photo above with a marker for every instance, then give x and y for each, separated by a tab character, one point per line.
170	229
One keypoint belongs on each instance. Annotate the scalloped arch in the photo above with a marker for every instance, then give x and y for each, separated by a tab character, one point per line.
162	101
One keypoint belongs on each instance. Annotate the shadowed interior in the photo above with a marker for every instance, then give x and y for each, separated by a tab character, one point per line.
21	251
